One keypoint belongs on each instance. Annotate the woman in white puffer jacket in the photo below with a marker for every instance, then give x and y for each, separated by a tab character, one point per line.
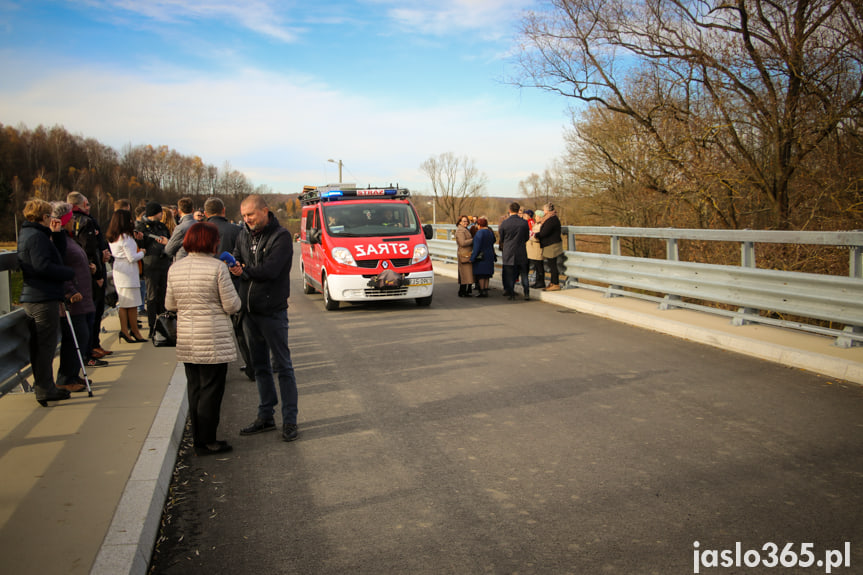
201	291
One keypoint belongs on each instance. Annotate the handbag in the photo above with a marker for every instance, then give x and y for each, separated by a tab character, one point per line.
165	334
479	256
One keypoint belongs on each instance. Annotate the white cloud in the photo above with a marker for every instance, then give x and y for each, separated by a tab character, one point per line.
261	16
489	18
280	130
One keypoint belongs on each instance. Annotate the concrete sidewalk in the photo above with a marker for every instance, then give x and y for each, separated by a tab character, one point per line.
84	481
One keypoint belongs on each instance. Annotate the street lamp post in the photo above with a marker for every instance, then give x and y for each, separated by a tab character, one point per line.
340	168
434	211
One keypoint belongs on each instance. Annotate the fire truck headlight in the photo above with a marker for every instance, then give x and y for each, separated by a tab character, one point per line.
343	256
421	252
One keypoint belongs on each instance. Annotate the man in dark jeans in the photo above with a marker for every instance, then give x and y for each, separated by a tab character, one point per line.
264	254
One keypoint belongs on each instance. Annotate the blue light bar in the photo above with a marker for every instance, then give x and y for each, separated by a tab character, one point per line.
333	192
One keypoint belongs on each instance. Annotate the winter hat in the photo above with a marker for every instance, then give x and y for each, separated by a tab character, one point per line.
153	208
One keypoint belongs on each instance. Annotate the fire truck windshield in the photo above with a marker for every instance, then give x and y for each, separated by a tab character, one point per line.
370	219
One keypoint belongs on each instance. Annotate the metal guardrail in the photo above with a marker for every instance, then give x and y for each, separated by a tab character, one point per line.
835	299
14	334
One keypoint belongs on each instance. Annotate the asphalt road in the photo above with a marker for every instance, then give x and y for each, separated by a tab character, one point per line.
489	436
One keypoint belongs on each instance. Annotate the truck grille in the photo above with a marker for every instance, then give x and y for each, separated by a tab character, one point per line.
372	293
373	264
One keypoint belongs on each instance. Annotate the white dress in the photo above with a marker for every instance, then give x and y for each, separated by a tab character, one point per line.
126	280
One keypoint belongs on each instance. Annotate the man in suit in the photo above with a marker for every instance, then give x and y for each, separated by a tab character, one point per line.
514	232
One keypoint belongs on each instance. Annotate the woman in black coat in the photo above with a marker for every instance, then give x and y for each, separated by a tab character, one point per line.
41	246
552	244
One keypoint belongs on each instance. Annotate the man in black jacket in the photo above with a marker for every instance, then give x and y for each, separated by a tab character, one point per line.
155	236
264	254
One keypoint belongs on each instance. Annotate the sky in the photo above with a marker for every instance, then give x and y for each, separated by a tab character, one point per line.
276	88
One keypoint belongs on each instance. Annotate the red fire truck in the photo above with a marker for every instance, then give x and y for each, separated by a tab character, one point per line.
364	244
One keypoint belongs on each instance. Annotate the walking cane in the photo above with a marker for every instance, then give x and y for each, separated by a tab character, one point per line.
77	348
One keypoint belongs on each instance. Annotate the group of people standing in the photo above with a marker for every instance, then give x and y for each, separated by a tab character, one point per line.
527	240
217	306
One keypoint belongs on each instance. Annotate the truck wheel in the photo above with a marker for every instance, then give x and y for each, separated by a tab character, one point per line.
424	301
329	302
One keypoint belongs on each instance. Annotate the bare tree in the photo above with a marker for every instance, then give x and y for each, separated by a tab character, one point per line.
549	187
456	183
759	84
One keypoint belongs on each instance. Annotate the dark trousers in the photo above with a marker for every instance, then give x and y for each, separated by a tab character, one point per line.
552	271
157	287
43	321
513	272
205	386
70	363
267	338
539	268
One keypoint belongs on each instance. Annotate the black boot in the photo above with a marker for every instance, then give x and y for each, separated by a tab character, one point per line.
461	290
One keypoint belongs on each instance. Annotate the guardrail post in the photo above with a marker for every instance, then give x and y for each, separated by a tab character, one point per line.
742	316
844	341
747	260
614	250
855	266
672	253
571	281
747	254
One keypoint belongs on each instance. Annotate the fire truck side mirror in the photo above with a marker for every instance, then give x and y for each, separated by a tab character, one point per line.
314	236
428	230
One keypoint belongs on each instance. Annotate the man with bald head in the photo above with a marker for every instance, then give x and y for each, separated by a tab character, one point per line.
264	254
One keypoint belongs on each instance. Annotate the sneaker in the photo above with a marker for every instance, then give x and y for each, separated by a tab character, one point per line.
289	432
258	426
97	363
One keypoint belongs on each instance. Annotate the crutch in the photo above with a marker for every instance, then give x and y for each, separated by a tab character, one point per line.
77	348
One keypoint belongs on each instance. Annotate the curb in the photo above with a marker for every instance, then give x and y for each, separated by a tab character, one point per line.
132	534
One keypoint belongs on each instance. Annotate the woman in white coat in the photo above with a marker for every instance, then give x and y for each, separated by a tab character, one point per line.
121	240
200	289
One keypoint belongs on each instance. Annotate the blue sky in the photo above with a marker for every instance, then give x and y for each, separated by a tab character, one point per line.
277	87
